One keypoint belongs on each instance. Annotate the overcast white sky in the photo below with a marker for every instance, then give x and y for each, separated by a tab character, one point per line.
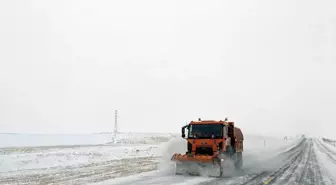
267	65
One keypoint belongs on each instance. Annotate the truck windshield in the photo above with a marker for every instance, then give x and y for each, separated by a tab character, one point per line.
205	131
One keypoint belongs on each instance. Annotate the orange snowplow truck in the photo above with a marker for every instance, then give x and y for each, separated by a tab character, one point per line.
214	148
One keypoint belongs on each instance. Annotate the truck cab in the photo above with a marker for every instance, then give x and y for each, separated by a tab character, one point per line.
210	145
209	137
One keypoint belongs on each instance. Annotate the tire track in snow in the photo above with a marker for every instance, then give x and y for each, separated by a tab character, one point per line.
304	174
326	148
292	154
314	171
327	175
289	176
283	174
307	172
301	169
304	171
267	177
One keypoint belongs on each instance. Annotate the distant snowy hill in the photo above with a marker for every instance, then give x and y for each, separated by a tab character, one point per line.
30	140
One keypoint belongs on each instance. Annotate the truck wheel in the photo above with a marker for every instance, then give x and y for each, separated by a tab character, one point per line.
239	162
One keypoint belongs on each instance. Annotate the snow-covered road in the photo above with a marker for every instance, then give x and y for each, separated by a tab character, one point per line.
301	163
266	161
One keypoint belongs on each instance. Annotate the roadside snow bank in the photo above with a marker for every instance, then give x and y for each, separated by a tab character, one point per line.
331	147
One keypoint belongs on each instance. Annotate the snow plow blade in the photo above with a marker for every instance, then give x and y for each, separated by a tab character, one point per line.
197	165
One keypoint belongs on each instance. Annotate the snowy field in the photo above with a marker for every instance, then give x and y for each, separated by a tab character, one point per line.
28	154
82	159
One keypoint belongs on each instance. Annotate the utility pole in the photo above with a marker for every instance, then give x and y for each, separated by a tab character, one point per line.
115	131
115	122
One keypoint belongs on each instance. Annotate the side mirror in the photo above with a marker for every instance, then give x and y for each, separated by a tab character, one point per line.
183	131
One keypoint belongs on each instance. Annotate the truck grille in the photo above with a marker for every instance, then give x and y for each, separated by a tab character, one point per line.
204	151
